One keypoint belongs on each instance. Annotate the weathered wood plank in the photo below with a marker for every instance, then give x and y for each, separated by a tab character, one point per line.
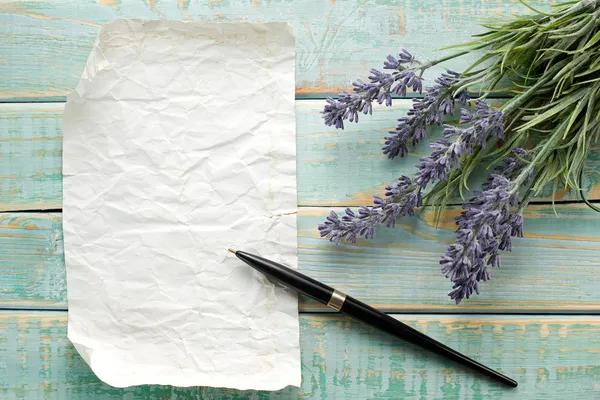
32	267
46	44
550	357
334	167
555	268
30	156
346	167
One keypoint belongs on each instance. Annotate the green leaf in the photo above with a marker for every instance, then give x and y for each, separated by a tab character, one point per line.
582	103
589	71
575	30
535	10
588	82
582	194
557	108
550	63
592	41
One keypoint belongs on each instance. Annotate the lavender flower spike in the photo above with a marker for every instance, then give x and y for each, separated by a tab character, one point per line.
512	165
429	111
485	121
403	58
445	156
380	87
400	199
485	226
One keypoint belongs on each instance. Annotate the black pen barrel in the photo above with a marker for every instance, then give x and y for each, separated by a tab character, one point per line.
288	277
362	312
381	321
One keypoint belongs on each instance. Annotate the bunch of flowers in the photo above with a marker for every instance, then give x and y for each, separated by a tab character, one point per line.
550	62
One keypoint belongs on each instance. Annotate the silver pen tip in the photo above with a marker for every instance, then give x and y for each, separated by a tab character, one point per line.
231	250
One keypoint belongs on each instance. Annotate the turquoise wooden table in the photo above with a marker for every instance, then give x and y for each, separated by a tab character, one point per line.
538	320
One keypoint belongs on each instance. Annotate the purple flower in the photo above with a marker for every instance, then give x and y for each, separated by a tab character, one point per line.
445	157
427	111
512	165
350	226
516	224
400	199
403	58
446	154
380	88
485	226
485	121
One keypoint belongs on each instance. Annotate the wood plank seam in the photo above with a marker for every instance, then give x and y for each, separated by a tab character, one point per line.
554	269
551	357
331	163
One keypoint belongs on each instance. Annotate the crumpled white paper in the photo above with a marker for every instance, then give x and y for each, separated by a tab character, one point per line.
179	142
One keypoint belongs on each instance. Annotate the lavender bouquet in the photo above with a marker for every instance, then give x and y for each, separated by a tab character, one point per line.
550	64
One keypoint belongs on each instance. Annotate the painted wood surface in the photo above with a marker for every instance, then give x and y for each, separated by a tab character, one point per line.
30	156
346	167
332	164
46	42
555	268
550	357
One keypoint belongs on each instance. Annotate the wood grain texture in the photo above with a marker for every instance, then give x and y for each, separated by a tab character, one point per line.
555	268
551	358
346	167
30	156
332	164
46	42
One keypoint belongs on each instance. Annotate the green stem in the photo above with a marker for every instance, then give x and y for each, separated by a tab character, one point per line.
522	98
582	194
532	91
458	54
443	59
525	200
546	148
582	5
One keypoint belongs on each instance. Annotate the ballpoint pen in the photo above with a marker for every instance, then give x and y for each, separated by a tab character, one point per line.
360	311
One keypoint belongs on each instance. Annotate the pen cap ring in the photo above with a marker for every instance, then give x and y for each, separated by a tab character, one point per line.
337	300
